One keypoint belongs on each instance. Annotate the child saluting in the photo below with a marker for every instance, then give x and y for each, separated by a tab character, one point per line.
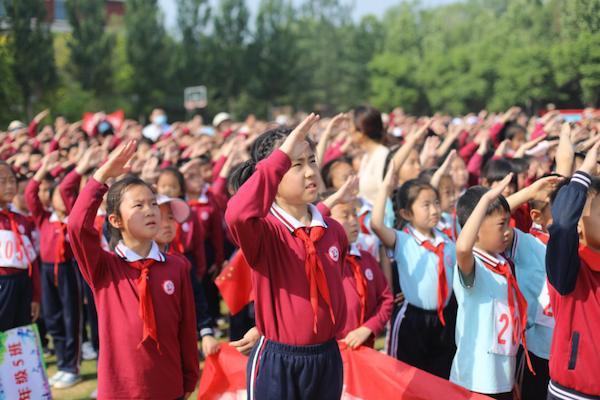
143	296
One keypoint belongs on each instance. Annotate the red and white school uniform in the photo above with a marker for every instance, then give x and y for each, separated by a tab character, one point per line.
19	270
140	359
369	300
297	286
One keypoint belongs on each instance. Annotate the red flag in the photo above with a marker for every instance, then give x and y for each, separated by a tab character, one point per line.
224	375
90	120
235	284
393	379
368	375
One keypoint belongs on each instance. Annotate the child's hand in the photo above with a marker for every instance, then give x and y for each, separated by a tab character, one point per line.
245	344
48	162
357	337
43	114
496	191
590	163
502	147
346	194
333	123
210	345
35	311
92	157
118	162
443	169
542	188
520	153
295	144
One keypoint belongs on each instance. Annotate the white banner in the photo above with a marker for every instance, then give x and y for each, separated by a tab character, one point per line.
22	369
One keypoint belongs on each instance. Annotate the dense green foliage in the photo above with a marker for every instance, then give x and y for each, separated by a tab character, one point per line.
453	58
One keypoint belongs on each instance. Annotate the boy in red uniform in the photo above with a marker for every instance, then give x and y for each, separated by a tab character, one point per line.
573	267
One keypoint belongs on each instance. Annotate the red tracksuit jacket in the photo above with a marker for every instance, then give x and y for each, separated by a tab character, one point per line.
124	370
281	288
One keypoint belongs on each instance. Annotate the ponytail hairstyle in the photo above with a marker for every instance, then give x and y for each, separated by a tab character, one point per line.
262	147
368	121
405	196
114	197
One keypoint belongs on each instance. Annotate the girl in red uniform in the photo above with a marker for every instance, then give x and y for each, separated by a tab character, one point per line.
296	257
144	297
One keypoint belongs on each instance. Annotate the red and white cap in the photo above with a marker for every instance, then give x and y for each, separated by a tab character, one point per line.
181	211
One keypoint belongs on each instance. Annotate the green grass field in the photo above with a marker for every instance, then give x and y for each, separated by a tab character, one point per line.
82	390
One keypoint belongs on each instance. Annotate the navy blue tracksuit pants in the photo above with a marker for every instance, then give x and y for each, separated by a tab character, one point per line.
63	313
278	371
15	300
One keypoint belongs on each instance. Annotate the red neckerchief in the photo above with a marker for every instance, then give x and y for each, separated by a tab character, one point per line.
18	239
362	222
361	284
442	288
60	250
540	234
505	269
146	310
314	270
177	243
590	257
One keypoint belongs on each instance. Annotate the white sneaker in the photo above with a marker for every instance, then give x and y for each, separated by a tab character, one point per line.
94	394
55	378
67	380
88	352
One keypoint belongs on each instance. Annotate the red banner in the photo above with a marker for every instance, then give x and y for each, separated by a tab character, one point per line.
368	375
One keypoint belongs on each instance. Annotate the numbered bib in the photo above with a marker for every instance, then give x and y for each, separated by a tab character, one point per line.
544	315
10	255
503	342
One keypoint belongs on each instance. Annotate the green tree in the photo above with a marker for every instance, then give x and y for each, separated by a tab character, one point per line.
90	45
147	53
274	55
30	45
229	45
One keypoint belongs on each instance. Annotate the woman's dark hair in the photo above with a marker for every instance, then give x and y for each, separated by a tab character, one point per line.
114	197
405	196
496	170
468	201
368	121
329	165
178	175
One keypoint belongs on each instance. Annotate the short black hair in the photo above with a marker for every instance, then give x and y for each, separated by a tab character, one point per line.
468	201
519	165
496	170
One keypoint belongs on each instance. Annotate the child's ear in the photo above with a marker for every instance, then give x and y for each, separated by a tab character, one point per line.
406	215
535	215
115	221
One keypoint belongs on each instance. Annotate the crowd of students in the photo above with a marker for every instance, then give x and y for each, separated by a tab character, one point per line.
471	243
